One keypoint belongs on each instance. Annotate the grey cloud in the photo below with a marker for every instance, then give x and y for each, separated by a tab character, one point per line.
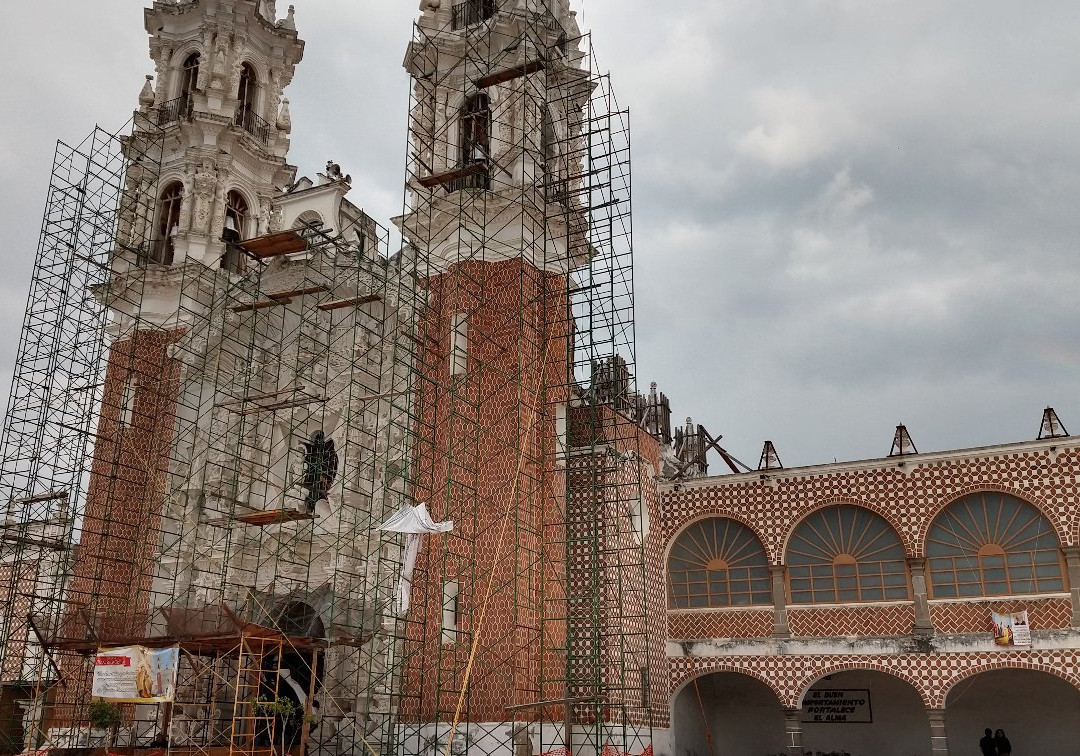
848	214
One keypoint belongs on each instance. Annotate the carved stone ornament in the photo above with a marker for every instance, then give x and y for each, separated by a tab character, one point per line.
146	96
284	117
205	185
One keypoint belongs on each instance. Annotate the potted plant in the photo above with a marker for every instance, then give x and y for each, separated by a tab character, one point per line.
104	715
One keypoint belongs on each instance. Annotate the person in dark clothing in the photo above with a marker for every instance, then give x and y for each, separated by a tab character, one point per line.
1004	747
987	745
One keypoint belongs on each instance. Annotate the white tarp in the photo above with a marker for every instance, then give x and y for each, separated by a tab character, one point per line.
414	522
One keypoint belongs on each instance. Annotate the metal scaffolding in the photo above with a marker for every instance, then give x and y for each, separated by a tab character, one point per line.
202	457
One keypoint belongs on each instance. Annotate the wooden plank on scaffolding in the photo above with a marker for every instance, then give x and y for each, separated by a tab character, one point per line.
337	304
460	172
274	245
264	518
509	74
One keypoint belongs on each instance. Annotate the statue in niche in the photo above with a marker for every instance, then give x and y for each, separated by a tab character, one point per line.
320	468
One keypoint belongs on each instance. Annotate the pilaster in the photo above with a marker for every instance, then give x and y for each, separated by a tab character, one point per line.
939	742
1072	568
793	732
924	624
781	629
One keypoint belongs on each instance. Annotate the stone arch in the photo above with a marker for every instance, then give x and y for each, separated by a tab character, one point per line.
808	681
308	218
1025	496
1052	669
693	519
703	670
833	501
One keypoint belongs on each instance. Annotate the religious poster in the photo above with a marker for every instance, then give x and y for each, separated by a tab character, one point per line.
837	707
1011	629
135	674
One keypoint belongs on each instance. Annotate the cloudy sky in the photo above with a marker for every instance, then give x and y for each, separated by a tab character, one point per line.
848	213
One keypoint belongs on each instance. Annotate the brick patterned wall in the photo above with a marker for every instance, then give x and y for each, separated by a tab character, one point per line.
473	430
974	617
699	625
908	498
932	675
851	620
632	577
18	581
112	571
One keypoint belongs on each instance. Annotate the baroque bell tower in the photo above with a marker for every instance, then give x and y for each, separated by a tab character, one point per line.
497	228
219	128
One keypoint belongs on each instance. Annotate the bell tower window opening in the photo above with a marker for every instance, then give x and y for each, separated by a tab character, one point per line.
189	82
236	211
472	12
168	223
246	92
475	138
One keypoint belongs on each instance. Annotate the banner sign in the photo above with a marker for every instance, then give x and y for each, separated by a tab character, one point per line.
135	674
837	707
1011	629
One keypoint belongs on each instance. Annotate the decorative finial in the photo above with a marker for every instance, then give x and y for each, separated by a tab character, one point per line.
146	96
770	460
1051	426
289	22
902	443
284	118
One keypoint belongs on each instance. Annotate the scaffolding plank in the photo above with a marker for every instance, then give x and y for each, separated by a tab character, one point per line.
509	74
289	294
260	304
266	517
460	172
274	245
337	304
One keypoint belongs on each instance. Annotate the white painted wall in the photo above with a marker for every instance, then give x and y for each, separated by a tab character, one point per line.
1039	713
900	726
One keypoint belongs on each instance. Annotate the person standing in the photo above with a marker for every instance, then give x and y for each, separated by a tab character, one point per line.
987	745
1004	747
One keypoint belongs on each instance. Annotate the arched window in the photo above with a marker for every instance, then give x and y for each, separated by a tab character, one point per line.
298	619
307	221
993	544
474	140
236	212
717	562
189	82
845	553
246	116
168	223
476	129
245	95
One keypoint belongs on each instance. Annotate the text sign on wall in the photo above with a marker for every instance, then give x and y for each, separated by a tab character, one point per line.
837	706
136	674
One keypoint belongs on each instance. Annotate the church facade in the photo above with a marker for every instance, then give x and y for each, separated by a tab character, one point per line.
412	501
